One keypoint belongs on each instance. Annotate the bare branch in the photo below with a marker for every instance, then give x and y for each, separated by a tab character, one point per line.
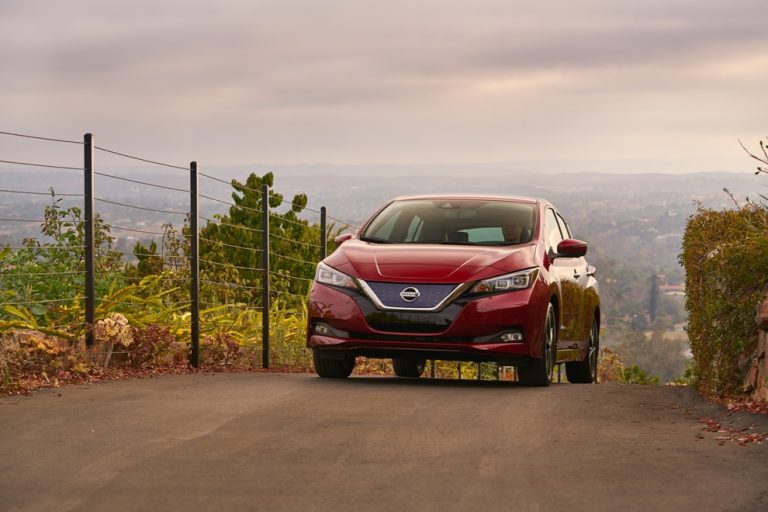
762	160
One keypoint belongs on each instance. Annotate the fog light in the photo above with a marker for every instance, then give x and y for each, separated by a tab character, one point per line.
326	330
512	337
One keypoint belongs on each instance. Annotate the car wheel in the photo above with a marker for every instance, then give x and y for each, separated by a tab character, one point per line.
409	367
332	368
539	370
585	372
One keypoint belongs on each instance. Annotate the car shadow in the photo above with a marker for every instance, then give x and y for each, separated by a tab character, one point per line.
387	380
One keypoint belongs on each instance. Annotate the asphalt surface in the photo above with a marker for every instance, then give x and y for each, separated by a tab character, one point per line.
301	443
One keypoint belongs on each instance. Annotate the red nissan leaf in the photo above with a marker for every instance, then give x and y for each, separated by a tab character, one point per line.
458	278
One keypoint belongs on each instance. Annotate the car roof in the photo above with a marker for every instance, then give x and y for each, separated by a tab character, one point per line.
476	197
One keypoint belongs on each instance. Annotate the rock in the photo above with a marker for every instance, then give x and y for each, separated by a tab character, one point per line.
762	316
756	381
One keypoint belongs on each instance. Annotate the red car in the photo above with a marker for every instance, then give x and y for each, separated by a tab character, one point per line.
459	278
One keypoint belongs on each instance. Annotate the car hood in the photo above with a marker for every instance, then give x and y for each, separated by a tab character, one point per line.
428	263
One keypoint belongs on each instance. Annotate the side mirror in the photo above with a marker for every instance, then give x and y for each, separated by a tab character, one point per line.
570	248
343	238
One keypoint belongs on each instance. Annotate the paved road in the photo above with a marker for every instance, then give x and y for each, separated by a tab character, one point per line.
300	443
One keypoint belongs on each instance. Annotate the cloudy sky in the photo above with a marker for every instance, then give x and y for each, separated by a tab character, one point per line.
617	85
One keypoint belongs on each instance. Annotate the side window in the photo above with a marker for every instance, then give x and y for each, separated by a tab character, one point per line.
564	227
552	230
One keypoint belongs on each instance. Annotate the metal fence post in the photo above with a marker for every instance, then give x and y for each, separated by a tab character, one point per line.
323	234
90	244
265	274
194	263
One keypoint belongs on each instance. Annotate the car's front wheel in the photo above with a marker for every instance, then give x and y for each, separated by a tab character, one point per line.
539	370
585	372
332	368
409	367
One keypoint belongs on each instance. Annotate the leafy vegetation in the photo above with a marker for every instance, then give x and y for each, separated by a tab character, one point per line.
725	254
142	304
660	358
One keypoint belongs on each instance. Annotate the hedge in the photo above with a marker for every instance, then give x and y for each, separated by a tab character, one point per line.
725	255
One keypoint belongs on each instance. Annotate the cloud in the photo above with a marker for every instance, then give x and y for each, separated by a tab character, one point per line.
344	79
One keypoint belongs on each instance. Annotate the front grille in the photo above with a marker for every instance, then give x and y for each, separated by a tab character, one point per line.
405	327
430	295
413	339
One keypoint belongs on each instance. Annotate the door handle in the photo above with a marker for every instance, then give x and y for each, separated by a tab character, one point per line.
576	275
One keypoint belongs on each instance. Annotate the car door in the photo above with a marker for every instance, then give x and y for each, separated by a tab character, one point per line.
565	270
580	317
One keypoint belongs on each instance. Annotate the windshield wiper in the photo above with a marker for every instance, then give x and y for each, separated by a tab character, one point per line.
375	240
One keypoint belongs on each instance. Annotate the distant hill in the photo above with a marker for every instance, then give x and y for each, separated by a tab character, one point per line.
633	222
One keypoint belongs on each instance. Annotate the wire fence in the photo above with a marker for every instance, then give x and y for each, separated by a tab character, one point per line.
178	271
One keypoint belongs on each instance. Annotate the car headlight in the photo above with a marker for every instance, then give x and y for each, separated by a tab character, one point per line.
519	280
329	275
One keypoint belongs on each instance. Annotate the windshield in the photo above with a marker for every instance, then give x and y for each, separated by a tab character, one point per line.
452	221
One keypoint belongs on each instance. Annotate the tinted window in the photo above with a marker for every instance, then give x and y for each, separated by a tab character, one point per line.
449	221
551	230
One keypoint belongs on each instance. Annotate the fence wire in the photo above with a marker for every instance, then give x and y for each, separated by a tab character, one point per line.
288	288
253	249
229	224
217	263
139	159
134	230
140	207
44	166
22	220
49	139
49	194
153	185
33	274
42	247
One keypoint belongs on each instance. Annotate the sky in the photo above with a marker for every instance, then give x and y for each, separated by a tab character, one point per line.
603	85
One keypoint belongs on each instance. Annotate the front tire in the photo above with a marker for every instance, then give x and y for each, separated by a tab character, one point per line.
539	371
409	367
332	368
585	372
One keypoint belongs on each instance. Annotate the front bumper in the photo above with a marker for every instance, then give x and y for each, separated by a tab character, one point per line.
466	330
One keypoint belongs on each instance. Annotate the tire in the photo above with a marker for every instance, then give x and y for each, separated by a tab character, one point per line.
539	371
409	367
585	372
332	368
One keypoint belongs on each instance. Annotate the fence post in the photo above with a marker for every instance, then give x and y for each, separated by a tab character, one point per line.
194	263
90	245
265	276
323	234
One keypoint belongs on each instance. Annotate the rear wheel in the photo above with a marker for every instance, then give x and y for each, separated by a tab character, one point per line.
409	367
332	368
585	372
539	371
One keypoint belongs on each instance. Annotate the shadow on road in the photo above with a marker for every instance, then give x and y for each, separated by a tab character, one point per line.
363	380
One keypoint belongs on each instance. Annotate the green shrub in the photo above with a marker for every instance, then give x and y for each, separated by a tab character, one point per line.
725	255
